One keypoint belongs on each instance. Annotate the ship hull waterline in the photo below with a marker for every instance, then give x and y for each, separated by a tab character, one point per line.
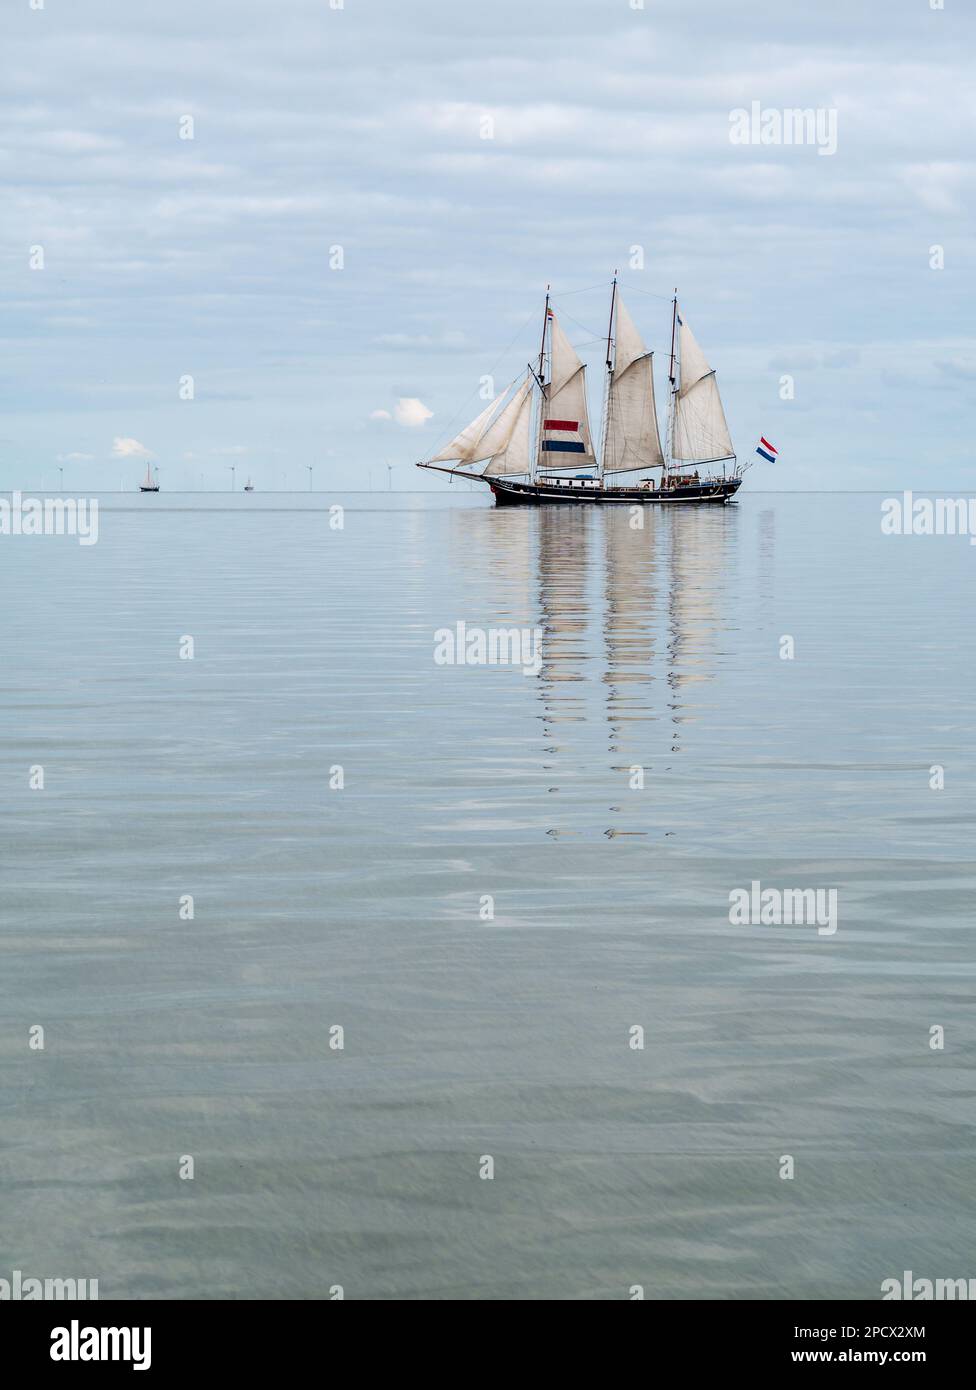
509	493
713	490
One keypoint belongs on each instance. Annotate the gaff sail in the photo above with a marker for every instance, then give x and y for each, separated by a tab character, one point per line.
631	436
564	434
700	433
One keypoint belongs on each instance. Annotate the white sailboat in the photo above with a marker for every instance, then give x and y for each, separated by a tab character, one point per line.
149	483
526	466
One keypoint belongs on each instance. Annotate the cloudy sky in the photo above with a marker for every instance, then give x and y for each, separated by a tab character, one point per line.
364	127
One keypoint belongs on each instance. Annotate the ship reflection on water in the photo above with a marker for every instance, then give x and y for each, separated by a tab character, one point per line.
631	620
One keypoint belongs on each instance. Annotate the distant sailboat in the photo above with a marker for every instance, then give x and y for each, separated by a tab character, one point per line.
555	396
248	486
149	485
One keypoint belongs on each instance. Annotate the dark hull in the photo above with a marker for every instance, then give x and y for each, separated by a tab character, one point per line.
510	494
143	488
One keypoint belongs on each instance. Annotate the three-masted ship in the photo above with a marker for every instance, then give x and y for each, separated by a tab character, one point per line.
533	443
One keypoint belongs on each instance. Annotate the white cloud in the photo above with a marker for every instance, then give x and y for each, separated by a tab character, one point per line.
381	415
123	448
411	412
75	458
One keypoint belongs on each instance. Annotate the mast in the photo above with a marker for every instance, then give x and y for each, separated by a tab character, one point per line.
542	388
671	378
613	300
606	398
542	345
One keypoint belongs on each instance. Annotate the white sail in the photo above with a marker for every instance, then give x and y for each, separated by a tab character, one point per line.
694	365
496	437
515	456
628	344
462	447
487	433
700	432
565	440
632	438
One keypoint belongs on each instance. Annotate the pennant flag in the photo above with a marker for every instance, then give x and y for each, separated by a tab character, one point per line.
766	450
562	445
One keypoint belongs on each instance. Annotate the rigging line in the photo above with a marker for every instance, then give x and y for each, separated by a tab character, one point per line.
601	286
491	372
650	293
594	337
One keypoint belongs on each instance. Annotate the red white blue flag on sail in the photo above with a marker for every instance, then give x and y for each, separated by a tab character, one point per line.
766	450
559	438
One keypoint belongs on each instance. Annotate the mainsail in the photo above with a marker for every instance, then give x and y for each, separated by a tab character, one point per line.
700	433
564	437
631	438
492	436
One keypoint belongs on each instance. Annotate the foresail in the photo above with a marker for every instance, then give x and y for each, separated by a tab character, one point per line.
463	446
515	457
496	437
488	432
565	439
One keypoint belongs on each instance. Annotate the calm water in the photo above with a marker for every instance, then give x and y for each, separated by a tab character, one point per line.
359	907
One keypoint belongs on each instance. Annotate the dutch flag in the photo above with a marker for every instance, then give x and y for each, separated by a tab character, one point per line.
765	450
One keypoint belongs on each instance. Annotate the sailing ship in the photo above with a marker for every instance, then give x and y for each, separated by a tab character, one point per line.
248	486
149	484
534	441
